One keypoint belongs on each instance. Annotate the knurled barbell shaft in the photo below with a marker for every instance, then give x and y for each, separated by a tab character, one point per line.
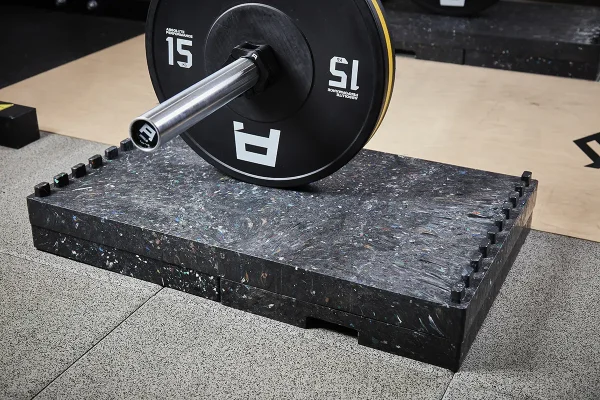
182	111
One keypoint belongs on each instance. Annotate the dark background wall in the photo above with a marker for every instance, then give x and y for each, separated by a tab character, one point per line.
136	9
37	39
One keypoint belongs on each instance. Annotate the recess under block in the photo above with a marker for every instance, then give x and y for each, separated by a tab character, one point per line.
408	253
536	37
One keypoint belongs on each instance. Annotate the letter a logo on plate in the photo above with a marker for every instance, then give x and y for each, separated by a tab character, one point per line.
147	132
243	141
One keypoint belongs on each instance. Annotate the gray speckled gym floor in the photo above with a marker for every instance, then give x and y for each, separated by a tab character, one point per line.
68	330
71	331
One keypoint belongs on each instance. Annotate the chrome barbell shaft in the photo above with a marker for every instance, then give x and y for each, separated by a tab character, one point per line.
182	111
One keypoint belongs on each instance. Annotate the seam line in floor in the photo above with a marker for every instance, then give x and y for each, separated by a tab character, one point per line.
97	343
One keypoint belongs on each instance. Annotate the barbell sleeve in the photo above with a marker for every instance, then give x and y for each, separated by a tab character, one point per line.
179	113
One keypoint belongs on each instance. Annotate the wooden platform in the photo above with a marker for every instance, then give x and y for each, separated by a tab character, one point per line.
493	120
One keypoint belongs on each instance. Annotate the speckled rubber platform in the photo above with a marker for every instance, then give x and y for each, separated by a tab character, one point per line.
385	246
526	36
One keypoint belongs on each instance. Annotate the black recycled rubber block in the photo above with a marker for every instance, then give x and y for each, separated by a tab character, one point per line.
542	38
387	240
126	263
391	338
372	333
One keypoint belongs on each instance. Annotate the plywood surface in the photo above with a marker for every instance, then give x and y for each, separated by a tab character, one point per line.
494	120
92	98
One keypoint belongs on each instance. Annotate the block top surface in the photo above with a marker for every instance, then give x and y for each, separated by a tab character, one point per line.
394	223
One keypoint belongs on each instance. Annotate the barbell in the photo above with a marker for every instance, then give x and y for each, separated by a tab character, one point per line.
281	93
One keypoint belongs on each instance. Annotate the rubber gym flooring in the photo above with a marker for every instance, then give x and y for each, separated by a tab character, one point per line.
69	330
